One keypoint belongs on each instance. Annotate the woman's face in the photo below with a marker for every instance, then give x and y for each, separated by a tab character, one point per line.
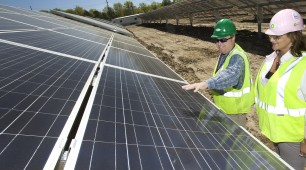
282	43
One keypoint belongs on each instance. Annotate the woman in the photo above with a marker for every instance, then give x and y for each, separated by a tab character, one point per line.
280	88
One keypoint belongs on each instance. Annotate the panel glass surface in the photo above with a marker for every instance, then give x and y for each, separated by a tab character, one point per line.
142	122
37	94
3	10
31	20
98	37
21	11
92	22
134	61
95	30
131	47
62	22
57	42
127	40
11	25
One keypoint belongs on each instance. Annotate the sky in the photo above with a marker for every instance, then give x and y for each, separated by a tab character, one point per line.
68	4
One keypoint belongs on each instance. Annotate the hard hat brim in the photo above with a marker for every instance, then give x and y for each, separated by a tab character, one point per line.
270	32
215	36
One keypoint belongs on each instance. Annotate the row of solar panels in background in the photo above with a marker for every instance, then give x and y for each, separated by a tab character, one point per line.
97	23
136	115
209	10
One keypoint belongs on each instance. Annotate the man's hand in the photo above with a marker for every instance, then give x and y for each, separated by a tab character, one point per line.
196	86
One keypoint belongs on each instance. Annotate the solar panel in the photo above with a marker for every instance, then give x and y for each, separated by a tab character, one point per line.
54	41
97	37
143	122
29	20
214	10
8	25
43	81
94	30
127	40
20	10
37	94
139	62
108	103
93	22
133	48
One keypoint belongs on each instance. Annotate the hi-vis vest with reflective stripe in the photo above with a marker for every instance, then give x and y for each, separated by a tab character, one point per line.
235	101
280	111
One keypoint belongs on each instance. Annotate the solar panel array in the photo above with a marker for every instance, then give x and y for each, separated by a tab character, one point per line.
106	102
46	69
97	23
208	9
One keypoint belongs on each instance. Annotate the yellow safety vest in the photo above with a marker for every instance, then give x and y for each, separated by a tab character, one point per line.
235	101
280	111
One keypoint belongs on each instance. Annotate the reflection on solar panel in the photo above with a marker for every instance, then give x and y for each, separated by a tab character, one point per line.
105	102
44	77
136	48
134	61
141	122
38	93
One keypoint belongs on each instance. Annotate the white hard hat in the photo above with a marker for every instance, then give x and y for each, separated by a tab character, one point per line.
284	21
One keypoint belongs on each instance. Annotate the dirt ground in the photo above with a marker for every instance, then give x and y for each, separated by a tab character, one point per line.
192	54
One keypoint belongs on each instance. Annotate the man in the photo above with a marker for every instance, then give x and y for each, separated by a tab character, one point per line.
231	83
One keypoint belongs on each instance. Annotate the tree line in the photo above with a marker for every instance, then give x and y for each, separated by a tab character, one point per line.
119	9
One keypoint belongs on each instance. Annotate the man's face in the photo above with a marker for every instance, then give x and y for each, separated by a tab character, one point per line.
225	44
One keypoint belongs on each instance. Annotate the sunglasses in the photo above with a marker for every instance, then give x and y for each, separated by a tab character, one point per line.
222	40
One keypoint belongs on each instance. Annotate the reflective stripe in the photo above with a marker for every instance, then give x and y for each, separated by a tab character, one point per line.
280	108
280	111
237	94
241	92
283	81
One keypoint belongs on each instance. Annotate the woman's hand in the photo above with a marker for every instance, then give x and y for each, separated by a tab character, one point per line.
196	86
303	148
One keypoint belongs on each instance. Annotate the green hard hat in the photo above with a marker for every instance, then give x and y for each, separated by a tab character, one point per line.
223	28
